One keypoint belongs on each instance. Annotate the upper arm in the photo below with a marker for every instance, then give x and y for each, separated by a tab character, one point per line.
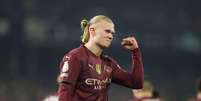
70	68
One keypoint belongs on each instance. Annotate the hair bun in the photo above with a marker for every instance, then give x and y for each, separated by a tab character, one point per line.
84	23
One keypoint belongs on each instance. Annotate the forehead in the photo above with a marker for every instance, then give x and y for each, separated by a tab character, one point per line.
105	25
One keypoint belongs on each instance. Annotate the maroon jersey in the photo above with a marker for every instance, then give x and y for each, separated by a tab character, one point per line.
86	77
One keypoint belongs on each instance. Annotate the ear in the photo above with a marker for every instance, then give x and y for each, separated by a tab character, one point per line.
92	31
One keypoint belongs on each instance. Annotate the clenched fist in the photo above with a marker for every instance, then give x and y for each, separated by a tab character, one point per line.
129	43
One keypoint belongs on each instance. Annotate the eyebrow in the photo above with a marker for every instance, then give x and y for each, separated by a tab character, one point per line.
109	31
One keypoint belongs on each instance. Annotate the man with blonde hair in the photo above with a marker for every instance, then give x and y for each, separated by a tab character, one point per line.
86	73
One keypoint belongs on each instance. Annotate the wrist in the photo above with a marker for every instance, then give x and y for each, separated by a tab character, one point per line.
136	50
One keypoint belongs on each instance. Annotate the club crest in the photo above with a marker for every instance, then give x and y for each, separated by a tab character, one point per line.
98	68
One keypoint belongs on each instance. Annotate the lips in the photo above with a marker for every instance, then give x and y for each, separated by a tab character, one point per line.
109	41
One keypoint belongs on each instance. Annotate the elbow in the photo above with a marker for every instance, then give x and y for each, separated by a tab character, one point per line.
138	84
139	87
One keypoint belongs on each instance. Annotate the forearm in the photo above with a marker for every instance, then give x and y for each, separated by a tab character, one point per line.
133	79
138	69
65	92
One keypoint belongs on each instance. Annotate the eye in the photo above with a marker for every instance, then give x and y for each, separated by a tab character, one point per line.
109	31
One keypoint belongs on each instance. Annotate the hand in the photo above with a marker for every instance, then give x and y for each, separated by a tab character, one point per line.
129	43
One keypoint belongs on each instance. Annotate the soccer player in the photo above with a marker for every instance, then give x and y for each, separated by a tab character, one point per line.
86	73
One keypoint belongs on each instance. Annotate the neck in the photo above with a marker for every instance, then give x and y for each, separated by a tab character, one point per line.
199	95
94	48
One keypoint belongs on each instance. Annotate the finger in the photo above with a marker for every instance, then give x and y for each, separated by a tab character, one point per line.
123	42
127	42
128	38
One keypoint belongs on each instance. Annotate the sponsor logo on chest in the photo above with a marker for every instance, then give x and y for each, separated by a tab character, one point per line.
102	77
98	84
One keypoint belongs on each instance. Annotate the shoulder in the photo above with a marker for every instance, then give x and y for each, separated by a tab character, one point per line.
109	59
79	51
75	54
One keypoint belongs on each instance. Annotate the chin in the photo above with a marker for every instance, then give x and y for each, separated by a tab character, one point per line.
104	46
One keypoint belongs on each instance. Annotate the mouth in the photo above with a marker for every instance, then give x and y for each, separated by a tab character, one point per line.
108	40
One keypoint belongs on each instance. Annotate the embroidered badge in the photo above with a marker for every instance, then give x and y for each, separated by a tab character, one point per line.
65	67
98	68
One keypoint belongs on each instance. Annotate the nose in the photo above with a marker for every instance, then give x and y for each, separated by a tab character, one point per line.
109	33
110	36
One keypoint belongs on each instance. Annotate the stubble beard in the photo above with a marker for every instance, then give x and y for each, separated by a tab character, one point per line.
102	46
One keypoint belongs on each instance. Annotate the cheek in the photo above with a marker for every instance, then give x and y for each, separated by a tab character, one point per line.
97	38
100	36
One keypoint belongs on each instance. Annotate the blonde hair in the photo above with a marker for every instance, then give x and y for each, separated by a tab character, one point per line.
85	26
148	86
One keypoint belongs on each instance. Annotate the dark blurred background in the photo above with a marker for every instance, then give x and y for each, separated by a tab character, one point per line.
35	34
